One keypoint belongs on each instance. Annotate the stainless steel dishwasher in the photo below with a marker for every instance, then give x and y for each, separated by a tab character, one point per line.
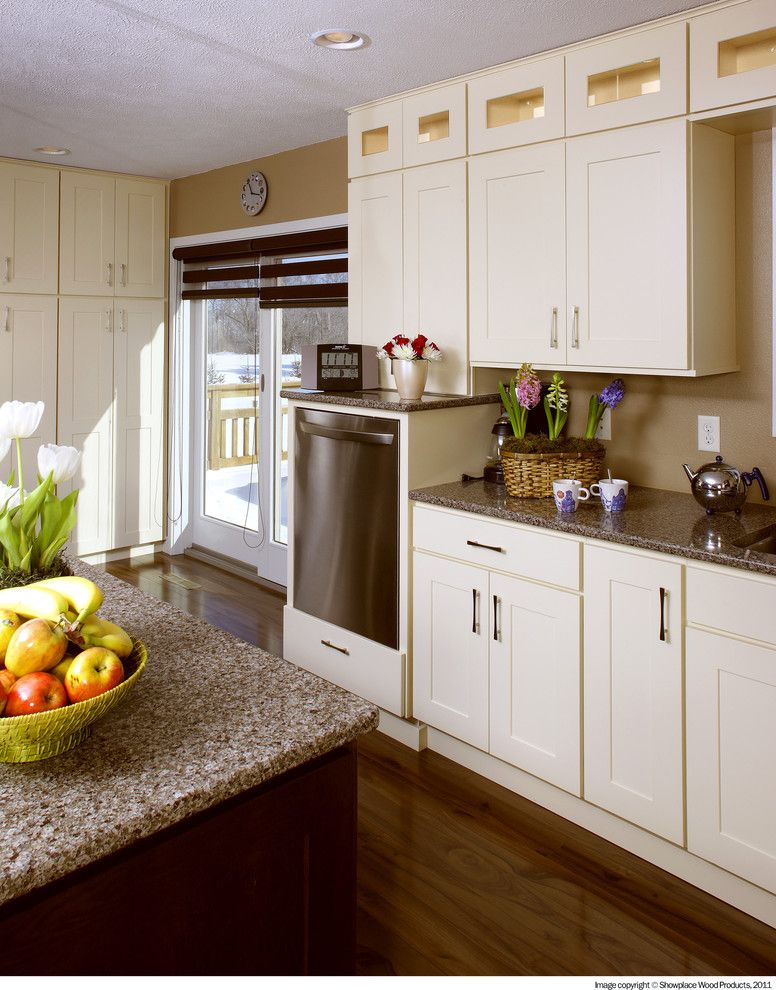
346	522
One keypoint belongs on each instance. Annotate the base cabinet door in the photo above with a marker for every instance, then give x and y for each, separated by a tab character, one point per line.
517	256
28	371
535	677
633	689
138	374
29	228
627	247
731	743
450	647
86	414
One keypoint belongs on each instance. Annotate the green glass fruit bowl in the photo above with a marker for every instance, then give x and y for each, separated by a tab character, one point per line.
27	738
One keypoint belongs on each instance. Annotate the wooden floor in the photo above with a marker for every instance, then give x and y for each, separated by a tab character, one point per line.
460	876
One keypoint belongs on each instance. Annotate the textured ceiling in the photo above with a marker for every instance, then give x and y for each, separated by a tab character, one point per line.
168	88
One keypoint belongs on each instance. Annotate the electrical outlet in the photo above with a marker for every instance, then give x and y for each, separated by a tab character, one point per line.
604	431
708	433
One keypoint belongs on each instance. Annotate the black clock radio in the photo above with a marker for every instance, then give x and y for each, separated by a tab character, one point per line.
339	367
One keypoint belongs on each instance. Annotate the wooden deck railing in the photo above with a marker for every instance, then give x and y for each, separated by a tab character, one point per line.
233	432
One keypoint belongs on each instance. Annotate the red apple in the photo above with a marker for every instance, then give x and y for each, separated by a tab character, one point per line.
3	698
36	692
9	623
36	645
93	672
7	679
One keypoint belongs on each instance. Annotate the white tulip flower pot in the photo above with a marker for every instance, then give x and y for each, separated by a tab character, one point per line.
410	378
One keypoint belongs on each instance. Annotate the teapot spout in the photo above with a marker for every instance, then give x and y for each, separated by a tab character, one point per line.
692	475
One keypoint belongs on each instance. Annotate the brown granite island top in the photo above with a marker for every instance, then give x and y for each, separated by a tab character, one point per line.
211	717
387	399
662	521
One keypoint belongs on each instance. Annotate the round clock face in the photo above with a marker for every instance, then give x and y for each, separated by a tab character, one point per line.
254	194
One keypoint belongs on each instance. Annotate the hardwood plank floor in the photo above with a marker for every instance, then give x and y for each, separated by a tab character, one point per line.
460	876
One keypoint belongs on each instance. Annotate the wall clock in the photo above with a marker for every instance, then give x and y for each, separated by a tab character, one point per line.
254	194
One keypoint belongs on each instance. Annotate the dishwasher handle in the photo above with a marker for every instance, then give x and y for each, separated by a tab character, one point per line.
357	436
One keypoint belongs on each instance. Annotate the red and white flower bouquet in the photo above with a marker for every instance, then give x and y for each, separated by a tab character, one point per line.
401	348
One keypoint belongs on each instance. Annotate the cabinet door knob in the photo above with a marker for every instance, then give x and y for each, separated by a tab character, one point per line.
575	328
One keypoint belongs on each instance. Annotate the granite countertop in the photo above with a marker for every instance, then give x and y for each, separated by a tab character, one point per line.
211	717
667	522
387	399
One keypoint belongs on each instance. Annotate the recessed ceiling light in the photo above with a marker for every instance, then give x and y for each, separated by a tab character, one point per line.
339	38
48	149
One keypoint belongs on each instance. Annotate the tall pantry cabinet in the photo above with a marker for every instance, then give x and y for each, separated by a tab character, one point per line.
82	327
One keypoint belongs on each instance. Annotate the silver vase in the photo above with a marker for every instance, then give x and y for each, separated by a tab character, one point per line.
410	378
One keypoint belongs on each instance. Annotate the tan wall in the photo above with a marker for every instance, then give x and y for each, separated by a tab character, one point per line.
655	429
305	182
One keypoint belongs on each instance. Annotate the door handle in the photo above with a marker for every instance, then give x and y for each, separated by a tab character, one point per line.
333	646
110	273
332	433
484	546
474	610
6	270
575	328
496	634
109	320
663	623
123	320
123	274
554	328
7	319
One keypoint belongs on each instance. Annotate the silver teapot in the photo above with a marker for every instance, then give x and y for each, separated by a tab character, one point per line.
718	487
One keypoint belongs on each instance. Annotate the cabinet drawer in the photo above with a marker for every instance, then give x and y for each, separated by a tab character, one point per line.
733	55
499	546
739	605
366	668
627	81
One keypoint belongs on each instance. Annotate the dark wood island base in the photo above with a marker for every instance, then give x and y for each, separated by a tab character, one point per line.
264	883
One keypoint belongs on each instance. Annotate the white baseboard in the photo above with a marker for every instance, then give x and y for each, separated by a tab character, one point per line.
669	857
406	731
124	553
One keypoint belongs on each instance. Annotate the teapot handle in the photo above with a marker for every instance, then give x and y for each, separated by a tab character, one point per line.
756	475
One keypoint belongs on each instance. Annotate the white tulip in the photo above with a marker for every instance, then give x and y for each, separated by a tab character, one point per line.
63	461
9	497
5	446
19	420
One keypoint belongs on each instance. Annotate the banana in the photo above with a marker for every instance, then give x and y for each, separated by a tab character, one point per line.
83	595
99	632
33	602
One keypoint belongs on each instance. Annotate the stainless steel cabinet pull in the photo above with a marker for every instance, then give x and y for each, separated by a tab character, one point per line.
575	328
7	319
474	610
483	546
123	320
554	329
109	320
332	646
496	635
357	436
7	270
110	273
663	624
123	274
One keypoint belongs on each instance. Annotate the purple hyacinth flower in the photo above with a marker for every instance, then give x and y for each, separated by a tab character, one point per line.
613	394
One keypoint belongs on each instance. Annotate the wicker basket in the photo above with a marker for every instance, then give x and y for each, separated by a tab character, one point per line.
26	738
532	475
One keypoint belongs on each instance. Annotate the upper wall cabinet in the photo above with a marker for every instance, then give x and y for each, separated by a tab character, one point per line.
628	80
140	236
375	139
29	222
112	236
519	105
435	125
733	55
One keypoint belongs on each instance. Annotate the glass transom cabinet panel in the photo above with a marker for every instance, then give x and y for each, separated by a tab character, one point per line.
624	83
515	107
435	125
375	139
747	52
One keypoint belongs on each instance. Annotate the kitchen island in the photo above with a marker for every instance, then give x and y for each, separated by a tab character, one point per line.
206	826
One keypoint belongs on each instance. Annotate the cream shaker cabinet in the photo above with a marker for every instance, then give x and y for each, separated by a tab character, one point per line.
28	373
434	125
633	689
112	236
29	225
517	256
111	390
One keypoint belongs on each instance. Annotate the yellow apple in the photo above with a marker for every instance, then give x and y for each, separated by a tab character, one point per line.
9	623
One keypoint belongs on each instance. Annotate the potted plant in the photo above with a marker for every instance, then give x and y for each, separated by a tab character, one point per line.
532	461
35	525
409	363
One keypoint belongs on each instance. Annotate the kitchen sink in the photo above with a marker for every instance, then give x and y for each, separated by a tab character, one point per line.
763	541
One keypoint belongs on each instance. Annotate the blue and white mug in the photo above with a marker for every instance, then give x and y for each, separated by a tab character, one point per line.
613	493
568	492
